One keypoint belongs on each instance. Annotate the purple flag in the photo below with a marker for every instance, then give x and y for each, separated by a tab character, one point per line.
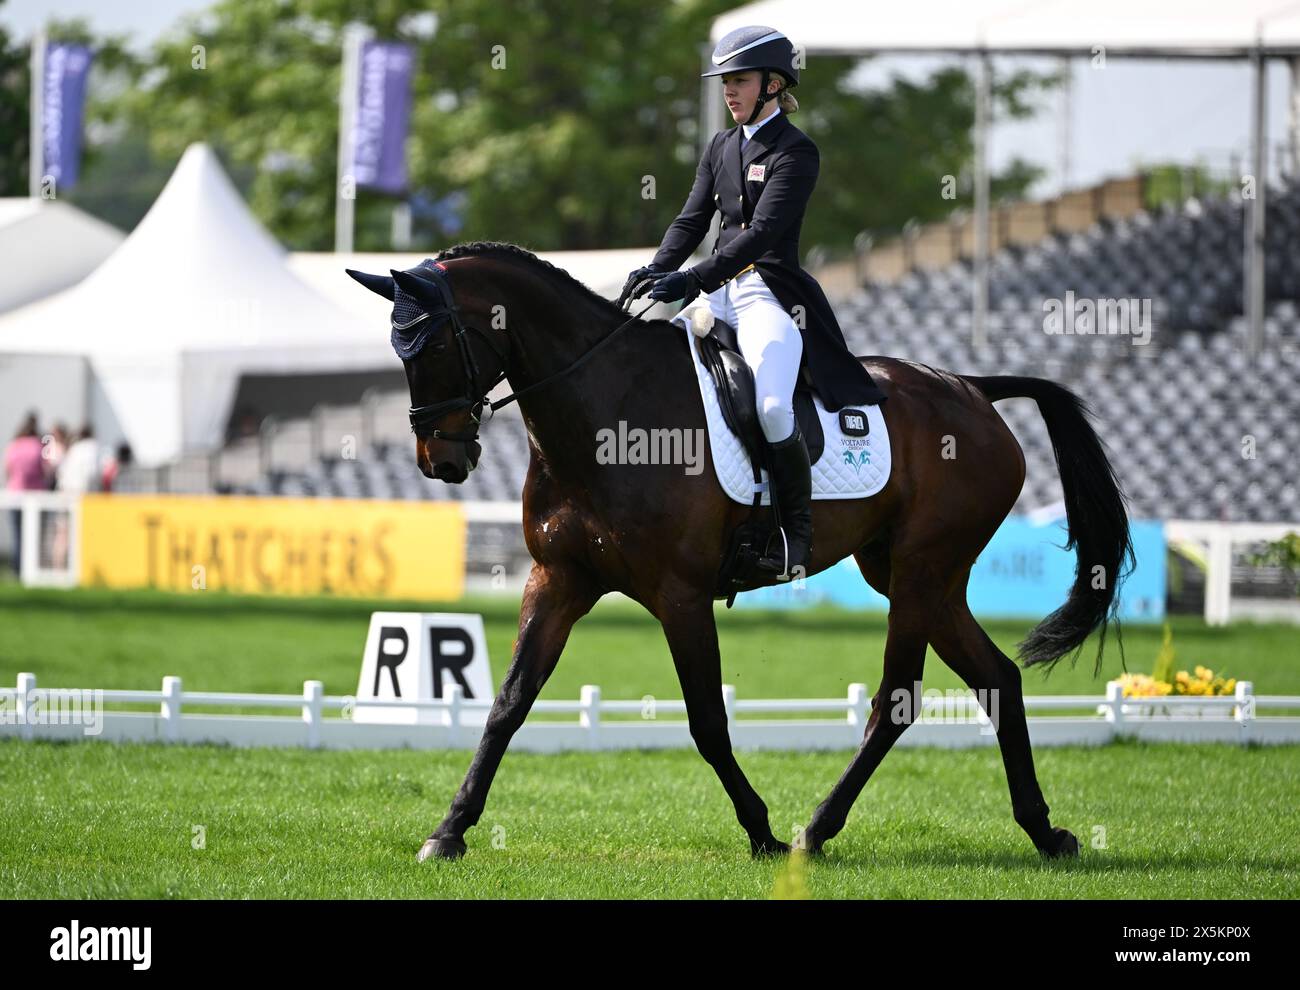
63	98
383	113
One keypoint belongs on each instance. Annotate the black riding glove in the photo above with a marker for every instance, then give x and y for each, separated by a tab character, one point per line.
639	275
679	285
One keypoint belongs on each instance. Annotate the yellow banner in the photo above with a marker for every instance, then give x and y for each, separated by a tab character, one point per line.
274	545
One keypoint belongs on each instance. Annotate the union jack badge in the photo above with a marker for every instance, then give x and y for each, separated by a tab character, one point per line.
756	172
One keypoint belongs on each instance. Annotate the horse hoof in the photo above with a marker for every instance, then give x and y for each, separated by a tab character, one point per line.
443	848
1065	845
768	847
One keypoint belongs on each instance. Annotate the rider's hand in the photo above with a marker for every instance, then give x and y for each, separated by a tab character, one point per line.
679	285
639	275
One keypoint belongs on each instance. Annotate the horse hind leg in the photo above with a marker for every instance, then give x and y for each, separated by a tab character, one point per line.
964	646
909	578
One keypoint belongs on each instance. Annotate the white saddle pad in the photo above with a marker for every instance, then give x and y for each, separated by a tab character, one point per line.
849	467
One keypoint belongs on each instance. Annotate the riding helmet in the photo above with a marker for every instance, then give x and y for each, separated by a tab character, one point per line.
755	47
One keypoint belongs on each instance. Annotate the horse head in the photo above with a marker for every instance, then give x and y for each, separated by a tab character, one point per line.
451	364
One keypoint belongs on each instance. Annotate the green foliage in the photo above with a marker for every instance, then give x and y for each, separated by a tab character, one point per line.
547	115
15	119
885	153
1283	553
1171	184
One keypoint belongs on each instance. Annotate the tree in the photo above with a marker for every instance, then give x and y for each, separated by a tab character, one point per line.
15	117
550	117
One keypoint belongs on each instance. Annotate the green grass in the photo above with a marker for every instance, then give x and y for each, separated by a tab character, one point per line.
93	820
105	820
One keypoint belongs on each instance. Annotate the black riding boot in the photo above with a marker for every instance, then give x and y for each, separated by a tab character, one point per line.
791	477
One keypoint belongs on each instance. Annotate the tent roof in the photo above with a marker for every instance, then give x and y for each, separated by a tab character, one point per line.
1122	27
198	274
46	246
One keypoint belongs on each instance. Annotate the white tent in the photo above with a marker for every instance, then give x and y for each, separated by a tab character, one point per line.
46	246
196	297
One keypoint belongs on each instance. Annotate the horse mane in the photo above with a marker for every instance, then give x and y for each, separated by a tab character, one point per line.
507	251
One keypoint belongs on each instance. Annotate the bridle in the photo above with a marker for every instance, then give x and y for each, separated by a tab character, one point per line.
474	399
423	417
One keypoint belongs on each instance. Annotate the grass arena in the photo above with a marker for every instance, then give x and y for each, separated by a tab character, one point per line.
108	820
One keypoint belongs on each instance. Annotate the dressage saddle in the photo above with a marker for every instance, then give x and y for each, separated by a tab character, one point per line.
734	382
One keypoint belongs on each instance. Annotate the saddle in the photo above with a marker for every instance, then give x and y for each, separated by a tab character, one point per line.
734	380
737	397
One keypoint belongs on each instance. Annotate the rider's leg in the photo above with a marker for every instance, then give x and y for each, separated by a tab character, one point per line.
772	346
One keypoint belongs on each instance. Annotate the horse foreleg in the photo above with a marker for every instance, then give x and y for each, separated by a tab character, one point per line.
964	646
693	639
554	599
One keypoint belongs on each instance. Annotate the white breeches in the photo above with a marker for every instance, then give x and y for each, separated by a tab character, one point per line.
770	343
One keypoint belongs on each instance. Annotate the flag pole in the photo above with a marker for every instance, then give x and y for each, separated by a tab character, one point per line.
345	191
36	153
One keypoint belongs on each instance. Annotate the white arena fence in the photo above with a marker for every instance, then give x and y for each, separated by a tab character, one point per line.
953	721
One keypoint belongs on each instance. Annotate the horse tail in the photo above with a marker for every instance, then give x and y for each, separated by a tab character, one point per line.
1096	516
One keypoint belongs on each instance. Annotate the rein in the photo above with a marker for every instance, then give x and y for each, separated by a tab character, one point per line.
425	416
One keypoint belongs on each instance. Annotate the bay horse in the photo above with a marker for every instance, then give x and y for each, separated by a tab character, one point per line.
484	312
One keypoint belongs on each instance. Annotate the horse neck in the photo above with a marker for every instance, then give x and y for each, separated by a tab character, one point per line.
562	412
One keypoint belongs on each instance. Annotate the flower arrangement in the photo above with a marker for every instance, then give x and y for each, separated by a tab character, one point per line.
1163	681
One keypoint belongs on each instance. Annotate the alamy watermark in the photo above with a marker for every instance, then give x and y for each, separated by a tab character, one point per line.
1098	317
637	445
54	706
950	706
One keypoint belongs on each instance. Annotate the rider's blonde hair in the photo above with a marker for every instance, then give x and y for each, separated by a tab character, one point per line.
785	99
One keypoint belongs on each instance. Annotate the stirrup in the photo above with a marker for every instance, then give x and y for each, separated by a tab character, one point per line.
766	561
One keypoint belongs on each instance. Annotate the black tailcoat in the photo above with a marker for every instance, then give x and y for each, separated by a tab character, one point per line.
762	210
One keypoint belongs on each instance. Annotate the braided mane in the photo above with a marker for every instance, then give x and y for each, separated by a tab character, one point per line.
502	249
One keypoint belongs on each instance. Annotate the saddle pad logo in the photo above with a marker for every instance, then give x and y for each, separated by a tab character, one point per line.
756	172
853	423
863	459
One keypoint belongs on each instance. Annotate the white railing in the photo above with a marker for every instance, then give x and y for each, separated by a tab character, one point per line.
50	553
1215	541
948	719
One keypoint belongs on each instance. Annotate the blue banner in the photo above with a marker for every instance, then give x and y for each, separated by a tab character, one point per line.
1024	572
382	116
63	98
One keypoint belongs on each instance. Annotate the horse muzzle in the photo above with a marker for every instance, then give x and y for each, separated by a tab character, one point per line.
455	469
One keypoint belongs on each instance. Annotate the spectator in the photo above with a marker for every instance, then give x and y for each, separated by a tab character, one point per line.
56	446
121	460
79	470
24	472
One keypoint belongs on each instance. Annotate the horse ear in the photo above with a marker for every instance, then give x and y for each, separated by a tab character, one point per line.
421	289
381	284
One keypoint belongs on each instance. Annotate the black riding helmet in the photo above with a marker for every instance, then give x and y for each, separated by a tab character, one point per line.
755	47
